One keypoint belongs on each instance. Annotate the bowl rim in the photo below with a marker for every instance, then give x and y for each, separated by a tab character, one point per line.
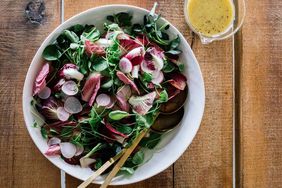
69	20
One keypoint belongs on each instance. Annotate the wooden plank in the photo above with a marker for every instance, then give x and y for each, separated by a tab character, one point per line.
22	165
260	99
209	159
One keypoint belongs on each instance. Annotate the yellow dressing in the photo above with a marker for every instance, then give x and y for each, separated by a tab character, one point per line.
210	17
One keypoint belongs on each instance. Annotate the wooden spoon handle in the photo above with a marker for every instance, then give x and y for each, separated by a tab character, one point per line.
104	167
123	159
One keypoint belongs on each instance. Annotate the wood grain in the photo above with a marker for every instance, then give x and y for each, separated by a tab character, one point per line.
21	165
259	64
208	161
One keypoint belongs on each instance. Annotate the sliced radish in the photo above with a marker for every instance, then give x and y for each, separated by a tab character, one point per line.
79	150
135	71
53	141
70	88
44	93
53	150
103	100
125	65
158	77
62	114
68	150
72	105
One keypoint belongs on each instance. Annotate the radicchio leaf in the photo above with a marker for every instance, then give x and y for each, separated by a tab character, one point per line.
53	150
70	71
92	48
91	88
178	80
142	104
40	81
126	80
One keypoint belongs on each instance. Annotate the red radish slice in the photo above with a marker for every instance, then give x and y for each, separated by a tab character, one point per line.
126	80
158	77
79	150
135	71
44	93
72	105
62	114
53	150
68	150
70	88
53	141
125	65
103	100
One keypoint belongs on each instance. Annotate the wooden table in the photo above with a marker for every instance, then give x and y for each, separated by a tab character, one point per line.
243	78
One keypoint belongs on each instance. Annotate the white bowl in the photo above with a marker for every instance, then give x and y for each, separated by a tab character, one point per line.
176	142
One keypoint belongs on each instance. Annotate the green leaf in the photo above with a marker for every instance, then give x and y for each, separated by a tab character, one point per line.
98	163
118	115
151	141
66	132
93	34
175	43
173	52
147	77
181	67
44	133
51	53
98	147
127	170
107	84
138	158
100	65
124	129
144	121
163	97
168	67
71	36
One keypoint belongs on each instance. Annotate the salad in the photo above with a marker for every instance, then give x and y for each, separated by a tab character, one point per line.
98	89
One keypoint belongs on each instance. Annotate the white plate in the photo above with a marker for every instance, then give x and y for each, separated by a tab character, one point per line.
176	142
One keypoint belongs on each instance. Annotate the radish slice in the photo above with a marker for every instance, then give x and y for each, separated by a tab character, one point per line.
44	93
68	150
125	65
135	70
79	150
72	105
70	88
158	77
53	150
62	114
53	141
103	100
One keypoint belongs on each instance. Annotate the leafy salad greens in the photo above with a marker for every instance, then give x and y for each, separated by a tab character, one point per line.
97	90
